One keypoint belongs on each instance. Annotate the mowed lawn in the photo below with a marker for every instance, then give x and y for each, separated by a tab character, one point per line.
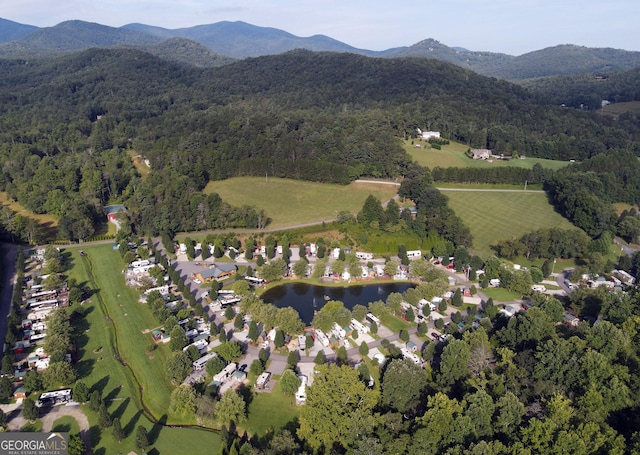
270	411
290	202
495	216
100	370
452	155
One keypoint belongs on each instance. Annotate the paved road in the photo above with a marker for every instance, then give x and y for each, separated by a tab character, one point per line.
9	257
52	414
486	190
628	249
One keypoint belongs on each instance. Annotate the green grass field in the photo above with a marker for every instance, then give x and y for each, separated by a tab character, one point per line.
452	155
100	370
501	295
494	216
290	202
269	412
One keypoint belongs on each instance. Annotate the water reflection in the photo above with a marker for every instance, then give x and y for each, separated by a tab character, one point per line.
305	298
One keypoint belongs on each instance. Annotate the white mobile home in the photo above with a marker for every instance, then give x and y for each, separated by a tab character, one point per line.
263	380
201	363
359	326
364	256
372	318
322	338
414	254
301	394
407	354
226	373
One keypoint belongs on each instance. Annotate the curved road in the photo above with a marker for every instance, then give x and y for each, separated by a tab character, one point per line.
50	417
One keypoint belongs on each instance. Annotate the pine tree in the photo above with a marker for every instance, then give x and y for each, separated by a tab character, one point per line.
117	431
253	331
279	340
142	438
104	418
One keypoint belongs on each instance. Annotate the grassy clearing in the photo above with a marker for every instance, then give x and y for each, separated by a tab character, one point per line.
393	323
620	207
616	109
131	321
66	424
498	216
44	219
48	222
290	202
452	155
502	295
140	166
270	411
100	370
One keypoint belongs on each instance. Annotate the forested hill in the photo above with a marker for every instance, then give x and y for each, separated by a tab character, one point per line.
587	91
308	89
328	117
240	40
10	30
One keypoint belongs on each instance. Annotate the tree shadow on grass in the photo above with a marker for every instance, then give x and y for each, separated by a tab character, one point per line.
154	433
62	427
96	435
101	384
131	425
84	367
118	413
113	394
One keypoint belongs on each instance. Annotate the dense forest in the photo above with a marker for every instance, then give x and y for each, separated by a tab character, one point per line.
587	91
66	123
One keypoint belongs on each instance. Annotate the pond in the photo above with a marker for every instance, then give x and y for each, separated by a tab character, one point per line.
307	298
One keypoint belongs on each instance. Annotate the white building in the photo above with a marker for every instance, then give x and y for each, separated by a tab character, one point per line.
201	363
226	373
301	394
263	380
407	354
322	338
373	318
414	254
359	326
364	256
338	331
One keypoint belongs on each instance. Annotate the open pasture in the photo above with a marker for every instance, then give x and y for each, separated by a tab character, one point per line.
292	202
493	216
452	155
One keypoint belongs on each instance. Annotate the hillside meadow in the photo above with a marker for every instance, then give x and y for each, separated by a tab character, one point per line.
452	155
291	202
494	215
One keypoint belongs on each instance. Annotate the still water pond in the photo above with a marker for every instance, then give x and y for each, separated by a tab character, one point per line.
306	298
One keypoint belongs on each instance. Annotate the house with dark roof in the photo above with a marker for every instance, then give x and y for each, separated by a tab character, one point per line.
218	272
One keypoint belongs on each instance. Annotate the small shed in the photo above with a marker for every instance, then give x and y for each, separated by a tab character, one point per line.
240	376
411	346
20	392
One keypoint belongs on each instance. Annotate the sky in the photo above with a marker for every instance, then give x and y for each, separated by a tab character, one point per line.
509	26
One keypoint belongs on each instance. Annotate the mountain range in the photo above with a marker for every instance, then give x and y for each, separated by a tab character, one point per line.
223	42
